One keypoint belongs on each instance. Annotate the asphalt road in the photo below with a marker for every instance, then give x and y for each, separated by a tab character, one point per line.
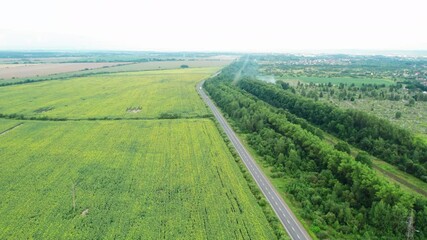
287	218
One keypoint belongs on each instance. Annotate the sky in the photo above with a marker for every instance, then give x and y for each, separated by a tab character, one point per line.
220	25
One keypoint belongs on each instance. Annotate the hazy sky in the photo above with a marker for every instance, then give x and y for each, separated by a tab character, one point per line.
220	25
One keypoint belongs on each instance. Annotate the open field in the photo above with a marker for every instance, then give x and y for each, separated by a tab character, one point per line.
148	94
4	66
133	179
127	67
36	70
7	124
413	118
172	65
337	80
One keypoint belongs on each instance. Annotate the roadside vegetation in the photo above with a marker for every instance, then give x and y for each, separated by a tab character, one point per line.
376	136
337	195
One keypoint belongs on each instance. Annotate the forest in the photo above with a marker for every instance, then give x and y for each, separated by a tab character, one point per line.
374	135
336	194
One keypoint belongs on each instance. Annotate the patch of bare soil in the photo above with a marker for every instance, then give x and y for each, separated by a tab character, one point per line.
133	109
85	212
11	71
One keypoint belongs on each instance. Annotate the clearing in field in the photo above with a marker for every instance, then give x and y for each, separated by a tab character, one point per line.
163	179
413	118
156	94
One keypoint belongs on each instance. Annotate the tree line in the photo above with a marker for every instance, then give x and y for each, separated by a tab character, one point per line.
339	196
372	134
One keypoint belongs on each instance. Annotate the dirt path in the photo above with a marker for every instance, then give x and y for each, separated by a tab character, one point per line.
402	181
10	129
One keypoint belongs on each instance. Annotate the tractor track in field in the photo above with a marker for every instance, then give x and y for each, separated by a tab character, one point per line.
10	129
401	181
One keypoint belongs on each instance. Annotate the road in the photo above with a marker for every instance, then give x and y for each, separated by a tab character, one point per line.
285	215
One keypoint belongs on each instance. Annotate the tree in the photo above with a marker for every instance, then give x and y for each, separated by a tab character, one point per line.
398	115
364	158
343	147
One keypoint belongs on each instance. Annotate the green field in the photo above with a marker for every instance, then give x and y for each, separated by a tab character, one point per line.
7	124
147	94
149	178
138	179
338	80
125	67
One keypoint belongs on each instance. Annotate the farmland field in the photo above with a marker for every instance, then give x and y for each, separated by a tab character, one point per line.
147	94
133	179
123	67
168	65
33	70
7	124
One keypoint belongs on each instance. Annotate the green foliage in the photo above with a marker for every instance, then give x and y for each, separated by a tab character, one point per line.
343	147
364	158
411	102
339	196
376	136
340	80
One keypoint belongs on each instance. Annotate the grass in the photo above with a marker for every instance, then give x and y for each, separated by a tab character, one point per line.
338	80
413	118
6	124
163	179
150	93
402	175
